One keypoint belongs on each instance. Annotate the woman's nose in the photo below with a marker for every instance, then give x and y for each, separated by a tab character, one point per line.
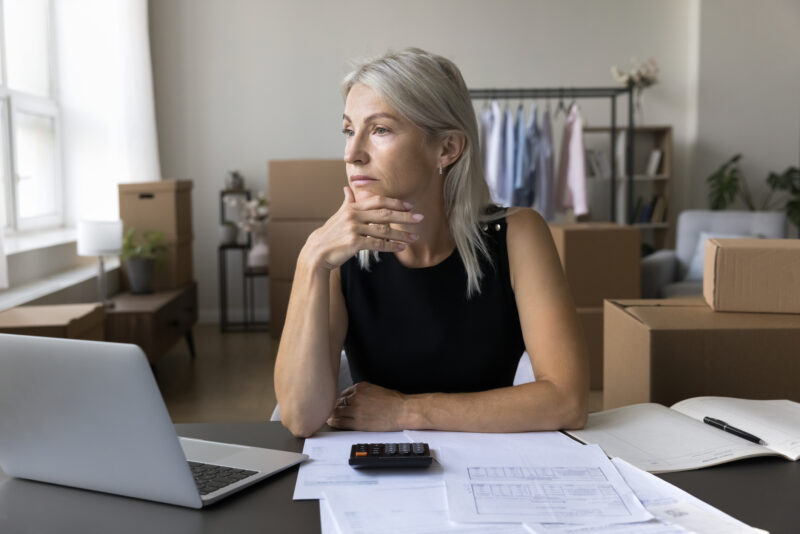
355	151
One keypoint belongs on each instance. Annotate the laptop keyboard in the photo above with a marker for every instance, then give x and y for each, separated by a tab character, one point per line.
210	478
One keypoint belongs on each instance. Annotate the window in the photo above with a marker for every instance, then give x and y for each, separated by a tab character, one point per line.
29	117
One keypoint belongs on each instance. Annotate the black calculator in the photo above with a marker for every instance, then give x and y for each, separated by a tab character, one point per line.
364	455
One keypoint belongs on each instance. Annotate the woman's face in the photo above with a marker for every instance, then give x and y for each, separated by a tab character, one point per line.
385	153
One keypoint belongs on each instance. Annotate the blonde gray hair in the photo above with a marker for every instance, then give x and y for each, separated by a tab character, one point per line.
429	91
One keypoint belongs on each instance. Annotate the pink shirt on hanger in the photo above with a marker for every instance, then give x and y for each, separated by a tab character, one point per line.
571	179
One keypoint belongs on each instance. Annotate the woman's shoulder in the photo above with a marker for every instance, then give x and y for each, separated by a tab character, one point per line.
525	224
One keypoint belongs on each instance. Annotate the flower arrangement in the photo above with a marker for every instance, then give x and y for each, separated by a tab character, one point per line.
642	74
252	213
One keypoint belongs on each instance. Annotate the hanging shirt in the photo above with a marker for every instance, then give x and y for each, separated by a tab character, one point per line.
571	181
485	123
509	165
495	155
525	162
543	173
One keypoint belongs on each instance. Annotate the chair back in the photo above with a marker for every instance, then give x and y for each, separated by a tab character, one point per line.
768	224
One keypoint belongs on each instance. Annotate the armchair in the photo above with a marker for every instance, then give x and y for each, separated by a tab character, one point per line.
673	273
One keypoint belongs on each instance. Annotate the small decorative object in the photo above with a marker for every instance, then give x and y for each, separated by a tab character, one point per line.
100	238
235	181
727	183
228	233
140	256
253	214
640	76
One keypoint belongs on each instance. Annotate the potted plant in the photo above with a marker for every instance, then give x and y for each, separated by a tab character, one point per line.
727	183
140	255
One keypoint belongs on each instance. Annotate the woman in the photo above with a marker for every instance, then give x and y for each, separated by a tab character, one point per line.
433	292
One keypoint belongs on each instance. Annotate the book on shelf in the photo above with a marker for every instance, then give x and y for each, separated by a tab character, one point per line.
636	214
653	162
659	210
647	211
661	440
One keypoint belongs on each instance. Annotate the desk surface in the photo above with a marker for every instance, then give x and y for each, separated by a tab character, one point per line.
762	492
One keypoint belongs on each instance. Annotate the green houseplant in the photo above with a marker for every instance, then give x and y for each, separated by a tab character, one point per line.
140	254
727	183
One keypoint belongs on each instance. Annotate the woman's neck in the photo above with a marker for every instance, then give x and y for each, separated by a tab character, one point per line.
435	241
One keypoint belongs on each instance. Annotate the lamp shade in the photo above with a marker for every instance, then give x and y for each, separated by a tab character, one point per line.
99	238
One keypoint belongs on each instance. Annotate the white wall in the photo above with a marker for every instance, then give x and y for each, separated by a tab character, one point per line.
749	91
239	82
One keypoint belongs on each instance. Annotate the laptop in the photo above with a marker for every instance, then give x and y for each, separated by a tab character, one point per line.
89	414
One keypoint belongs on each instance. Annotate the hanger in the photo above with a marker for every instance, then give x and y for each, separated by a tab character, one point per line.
560	108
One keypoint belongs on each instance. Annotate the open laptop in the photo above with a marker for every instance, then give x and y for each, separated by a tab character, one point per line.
89	414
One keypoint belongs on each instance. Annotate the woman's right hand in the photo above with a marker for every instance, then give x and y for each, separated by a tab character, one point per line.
361	225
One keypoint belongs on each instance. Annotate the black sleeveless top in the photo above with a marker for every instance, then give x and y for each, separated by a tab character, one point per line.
415	331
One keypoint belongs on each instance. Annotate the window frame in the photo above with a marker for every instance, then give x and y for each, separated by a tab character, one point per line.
14	102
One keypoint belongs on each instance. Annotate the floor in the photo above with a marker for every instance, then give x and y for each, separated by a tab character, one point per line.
231	380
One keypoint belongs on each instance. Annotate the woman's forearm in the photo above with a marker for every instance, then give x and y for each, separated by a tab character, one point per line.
305	381
538	405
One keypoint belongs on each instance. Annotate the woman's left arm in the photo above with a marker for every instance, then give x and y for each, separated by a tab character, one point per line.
553	339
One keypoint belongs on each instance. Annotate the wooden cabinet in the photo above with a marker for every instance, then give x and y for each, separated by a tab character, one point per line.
649	208
155	321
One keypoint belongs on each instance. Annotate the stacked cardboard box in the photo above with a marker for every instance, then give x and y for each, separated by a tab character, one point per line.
668	350
164	206
76	321
601	261
303	195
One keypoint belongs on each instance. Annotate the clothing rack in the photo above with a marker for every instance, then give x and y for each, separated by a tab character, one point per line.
579	93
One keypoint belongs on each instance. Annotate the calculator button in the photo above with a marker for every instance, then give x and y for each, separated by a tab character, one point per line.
405	448
418	448
390	449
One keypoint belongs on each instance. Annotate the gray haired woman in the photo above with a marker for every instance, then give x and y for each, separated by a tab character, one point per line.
433	292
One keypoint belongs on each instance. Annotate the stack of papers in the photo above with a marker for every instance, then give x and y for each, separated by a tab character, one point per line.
504	483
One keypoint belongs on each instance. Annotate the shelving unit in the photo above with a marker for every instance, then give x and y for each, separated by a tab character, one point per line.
248	276
649	208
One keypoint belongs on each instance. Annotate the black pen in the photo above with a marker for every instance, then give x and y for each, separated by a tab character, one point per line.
722	425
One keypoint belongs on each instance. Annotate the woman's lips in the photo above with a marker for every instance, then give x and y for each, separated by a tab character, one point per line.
360	179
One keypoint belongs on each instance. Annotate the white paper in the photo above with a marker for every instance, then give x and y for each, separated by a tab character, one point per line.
327	466
670	503
654	526
538	485
657	439
465	441
327	524
421	510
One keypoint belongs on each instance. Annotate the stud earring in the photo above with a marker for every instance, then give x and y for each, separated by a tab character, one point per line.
440	171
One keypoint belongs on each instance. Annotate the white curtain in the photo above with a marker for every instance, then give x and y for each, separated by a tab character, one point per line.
105	92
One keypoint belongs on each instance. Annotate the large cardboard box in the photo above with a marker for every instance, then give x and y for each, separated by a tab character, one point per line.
752	275
591	320
286	239
165	205
306	189
600	260
672	349
76	321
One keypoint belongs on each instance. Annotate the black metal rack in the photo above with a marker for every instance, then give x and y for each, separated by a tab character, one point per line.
248	275
580	93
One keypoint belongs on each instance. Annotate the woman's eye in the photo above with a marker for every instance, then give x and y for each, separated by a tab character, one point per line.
347	132
380	130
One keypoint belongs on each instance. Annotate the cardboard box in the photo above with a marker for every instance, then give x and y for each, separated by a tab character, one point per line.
279	291
672	349
600	260
286	239
76	321
165	206
591	320
752	275
306	189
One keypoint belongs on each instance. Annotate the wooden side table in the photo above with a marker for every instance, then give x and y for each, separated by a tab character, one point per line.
154	321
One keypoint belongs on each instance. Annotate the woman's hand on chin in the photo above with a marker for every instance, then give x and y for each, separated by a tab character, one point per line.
360	225
371	408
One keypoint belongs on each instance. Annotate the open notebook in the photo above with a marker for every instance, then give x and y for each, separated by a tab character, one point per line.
660	439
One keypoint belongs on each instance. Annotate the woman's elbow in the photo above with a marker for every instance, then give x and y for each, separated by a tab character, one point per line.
575	412
299	426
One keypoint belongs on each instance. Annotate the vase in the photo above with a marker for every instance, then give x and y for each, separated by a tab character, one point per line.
140	274
258	256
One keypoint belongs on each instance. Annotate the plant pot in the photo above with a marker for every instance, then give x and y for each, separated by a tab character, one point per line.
258	256
141	272
228	234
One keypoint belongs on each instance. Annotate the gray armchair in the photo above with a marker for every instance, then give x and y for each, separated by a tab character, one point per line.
673	273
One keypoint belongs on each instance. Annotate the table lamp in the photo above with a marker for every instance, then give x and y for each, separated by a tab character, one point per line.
100	238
